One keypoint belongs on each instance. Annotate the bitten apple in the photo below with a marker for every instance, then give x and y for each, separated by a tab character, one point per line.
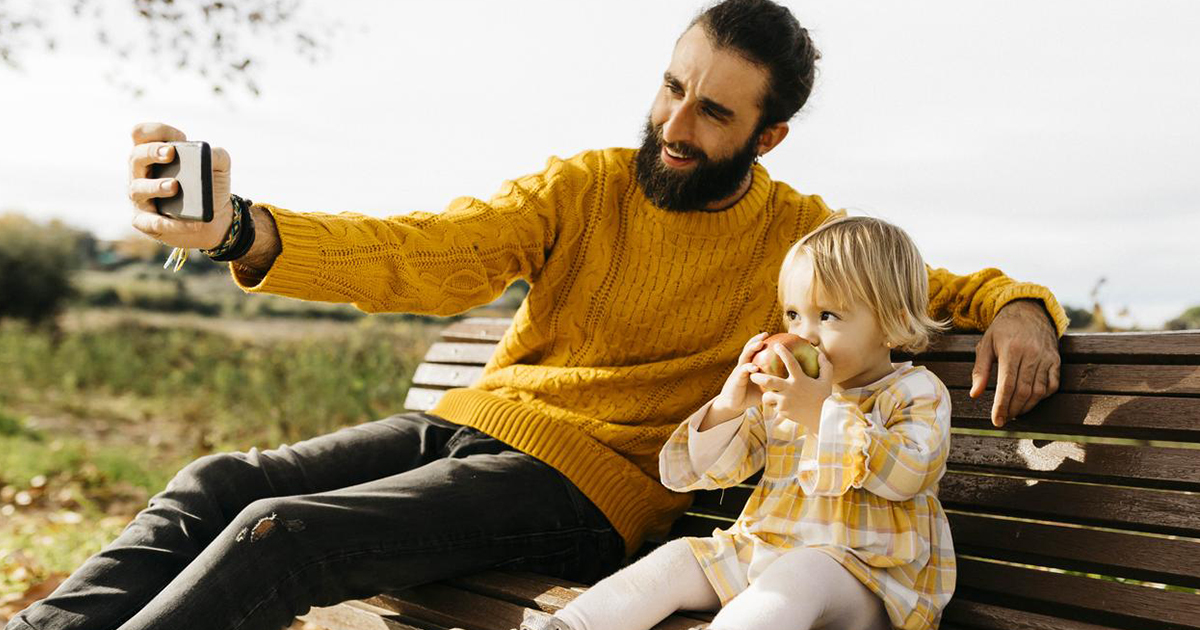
805	354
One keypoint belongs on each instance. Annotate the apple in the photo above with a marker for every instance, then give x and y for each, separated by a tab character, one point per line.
770	363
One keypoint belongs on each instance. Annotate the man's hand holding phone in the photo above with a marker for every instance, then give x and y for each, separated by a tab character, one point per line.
151	150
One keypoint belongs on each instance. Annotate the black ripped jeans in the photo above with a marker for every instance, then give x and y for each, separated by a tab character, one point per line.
250	540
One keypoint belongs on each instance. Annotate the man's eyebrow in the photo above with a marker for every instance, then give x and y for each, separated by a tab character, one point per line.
717	108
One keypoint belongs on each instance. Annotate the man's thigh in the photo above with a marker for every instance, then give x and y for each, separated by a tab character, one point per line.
353	455
460	514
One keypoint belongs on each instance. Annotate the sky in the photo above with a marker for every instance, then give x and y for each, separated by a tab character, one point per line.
1056	140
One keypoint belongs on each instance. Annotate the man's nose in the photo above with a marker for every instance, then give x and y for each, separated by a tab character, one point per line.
678	127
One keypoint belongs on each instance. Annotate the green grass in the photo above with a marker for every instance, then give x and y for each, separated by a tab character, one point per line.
241	390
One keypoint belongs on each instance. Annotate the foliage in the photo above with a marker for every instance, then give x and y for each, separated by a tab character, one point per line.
236	390
36	263
213	39
1188	320
1080	318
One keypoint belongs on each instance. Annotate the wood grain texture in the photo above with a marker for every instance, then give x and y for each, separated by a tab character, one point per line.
1091	378
1141	557
1082	598
1136	417
1150	466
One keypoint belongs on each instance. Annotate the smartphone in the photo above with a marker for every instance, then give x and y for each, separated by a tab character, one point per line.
192	168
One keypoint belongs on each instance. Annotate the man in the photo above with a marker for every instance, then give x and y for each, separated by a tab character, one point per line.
649	270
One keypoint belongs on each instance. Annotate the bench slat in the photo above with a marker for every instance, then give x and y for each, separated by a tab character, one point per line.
983	616
1181	347
460	353
421	399
489	329
550	594
1153	466
1093	600
1139	417
1091	378
1141	557
450	607
355	615
1160	511
443	375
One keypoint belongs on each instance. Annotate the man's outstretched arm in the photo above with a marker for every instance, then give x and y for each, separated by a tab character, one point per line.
437	264
1021	323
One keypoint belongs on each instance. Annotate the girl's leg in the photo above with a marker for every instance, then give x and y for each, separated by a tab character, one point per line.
643	593
804	589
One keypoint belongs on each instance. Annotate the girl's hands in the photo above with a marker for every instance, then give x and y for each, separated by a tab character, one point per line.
797	397
737	394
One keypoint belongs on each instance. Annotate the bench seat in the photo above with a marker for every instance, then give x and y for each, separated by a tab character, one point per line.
1082	515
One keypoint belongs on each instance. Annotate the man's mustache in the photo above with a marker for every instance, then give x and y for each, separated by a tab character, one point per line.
682	149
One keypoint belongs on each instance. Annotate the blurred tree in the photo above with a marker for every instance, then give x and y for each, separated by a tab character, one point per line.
207	37
1188	320
1080	318
36	262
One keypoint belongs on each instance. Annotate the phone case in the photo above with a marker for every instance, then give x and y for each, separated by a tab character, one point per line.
192	168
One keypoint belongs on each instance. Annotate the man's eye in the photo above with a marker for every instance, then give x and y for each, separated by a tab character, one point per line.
675	89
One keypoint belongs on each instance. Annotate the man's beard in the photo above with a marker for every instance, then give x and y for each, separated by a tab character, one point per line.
706	182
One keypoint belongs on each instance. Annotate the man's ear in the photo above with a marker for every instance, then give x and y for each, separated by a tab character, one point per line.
771	137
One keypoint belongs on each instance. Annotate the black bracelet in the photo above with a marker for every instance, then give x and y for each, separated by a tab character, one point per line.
246	238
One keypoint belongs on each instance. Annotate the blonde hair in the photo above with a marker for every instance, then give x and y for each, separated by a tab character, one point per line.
862	259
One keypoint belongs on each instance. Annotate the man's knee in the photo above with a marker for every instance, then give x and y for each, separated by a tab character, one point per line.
276	518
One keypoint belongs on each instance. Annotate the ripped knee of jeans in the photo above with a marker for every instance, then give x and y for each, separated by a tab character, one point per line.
267	526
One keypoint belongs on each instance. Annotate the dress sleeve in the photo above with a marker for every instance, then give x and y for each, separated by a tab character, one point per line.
895	454
742	454
437	264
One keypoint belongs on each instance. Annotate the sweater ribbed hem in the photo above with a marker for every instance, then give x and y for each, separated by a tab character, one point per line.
636	505
298	263
1026	290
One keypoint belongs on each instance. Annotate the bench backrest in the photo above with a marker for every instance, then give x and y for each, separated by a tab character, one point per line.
1083	514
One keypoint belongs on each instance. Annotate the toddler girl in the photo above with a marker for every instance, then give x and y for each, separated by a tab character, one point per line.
844	529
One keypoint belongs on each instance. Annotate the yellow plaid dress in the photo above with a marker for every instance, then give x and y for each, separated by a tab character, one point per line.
863	490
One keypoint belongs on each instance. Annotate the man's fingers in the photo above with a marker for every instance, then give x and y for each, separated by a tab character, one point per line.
156	132
985	355
220	163
1006	384
143	155
141	191
1026	378
1041	389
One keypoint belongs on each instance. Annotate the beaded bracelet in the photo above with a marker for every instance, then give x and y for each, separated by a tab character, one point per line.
240	237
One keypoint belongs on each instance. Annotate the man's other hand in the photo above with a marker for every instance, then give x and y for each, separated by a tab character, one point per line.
1025	344
149	147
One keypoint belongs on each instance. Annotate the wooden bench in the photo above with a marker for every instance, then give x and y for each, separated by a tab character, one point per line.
1085	515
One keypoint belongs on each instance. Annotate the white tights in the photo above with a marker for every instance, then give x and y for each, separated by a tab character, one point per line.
803	589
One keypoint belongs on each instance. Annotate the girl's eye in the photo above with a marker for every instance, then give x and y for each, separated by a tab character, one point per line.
826	316
792	315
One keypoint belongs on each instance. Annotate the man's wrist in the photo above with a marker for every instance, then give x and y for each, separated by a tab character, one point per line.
1035	303
266	247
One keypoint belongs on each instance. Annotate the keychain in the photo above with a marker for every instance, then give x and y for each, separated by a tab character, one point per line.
179	256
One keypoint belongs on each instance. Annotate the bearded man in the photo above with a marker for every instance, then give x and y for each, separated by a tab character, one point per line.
648	271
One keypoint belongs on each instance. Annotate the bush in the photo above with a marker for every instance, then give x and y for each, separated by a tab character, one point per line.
1189	320
36	263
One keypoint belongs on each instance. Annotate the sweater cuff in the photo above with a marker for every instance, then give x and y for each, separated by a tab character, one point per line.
299	259
1027	290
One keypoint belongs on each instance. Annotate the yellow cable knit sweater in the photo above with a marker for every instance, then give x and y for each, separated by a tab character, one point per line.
634	318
